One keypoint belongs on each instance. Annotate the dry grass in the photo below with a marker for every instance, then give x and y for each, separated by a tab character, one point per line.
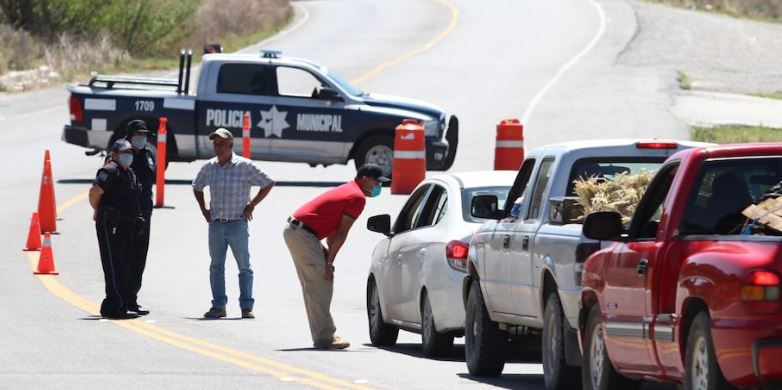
729	134
72	57
218	20
756	9
621	193
18	50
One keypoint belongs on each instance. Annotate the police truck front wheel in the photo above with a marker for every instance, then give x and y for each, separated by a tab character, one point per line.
377	149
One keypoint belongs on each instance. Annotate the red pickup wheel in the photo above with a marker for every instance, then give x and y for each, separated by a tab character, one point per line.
701	370
598	372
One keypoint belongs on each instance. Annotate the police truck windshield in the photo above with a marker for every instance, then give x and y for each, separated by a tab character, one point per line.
345	84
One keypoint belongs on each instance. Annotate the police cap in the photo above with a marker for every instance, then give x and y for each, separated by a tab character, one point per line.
136	126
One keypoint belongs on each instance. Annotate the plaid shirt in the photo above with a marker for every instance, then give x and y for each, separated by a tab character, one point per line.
229	185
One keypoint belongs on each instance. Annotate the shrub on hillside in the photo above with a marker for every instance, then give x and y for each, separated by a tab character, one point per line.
18	50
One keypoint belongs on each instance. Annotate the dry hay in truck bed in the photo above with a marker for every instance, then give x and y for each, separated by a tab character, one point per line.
621	193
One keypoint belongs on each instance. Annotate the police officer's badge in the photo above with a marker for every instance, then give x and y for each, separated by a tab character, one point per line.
150	162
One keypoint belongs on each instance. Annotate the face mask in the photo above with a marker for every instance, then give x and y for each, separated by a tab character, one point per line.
375	191
138	141
125	159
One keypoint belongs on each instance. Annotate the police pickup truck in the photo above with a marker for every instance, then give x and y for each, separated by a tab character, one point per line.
299	111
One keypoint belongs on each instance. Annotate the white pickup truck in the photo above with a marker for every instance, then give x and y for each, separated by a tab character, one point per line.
525	266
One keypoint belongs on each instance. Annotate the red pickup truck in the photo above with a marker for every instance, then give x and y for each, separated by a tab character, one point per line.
689	292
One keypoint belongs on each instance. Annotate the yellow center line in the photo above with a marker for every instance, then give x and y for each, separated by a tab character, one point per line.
415	52
198	346
71	202
204	348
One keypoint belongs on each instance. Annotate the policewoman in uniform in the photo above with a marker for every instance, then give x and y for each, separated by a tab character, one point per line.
329	216
143	167
114	198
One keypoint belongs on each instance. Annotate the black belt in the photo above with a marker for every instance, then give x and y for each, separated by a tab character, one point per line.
296	223
224	220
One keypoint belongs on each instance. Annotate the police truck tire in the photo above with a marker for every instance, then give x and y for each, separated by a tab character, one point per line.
433	344
484	343
700	362
377	149
380	333
557	374
598	372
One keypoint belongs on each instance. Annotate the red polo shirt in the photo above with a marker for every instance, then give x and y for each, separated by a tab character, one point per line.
324	213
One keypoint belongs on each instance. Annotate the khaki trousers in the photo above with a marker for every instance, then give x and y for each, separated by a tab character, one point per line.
310	260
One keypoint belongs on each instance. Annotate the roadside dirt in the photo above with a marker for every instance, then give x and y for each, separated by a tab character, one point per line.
718	53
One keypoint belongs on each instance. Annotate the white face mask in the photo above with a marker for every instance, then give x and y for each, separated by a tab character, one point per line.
138	141
125	159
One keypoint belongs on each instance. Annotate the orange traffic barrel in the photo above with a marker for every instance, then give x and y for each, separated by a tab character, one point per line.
409	164
509	149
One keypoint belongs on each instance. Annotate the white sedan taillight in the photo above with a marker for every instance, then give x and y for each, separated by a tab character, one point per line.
456	253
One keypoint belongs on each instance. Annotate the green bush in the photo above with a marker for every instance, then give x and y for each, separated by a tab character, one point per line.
138	26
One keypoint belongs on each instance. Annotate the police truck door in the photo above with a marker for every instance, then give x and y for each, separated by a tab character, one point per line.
234	89
303	125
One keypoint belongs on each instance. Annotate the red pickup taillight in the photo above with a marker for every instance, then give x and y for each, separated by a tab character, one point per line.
456	254
77	113
760	291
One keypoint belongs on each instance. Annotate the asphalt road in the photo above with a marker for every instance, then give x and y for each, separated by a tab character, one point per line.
482	62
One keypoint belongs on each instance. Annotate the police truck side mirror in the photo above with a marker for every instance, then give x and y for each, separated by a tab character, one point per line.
380	224
327	93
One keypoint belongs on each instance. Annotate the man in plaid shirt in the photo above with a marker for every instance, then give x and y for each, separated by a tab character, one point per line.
229	178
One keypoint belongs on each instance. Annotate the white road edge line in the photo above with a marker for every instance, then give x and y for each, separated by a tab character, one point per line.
534	103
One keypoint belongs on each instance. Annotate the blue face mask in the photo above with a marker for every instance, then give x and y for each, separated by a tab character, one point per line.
375	191
138	141
125	159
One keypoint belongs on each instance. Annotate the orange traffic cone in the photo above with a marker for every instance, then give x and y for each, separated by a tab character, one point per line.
34	237
47	211
47	157
46	260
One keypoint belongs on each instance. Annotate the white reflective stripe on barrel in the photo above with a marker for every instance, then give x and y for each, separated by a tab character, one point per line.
245	133
510	144
161	138
402	155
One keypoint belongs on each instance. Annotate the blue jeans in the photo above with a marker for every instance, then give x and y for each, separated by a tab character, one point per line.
221	236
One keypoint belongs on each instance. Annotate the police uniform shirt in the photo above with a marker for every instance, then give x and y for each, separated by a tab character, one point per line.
143	166
120	189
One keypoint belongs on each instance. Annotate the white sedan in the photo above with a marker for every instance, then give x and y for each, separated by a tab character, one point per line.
415	279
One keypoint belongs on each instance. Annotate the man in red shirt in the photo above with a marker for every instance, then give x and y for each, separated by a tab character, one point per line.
328	216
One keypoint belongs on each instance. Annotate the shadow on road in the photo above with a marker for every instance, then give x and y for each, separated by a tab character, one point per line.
317	184
523	350
510	381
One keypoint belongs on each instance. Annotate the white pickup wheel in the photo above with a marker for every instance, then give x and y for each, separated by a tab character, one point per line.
557	374
485	344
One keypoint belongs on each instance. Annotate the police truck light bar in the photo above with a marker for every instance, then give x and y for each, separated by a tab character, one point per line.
271	53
